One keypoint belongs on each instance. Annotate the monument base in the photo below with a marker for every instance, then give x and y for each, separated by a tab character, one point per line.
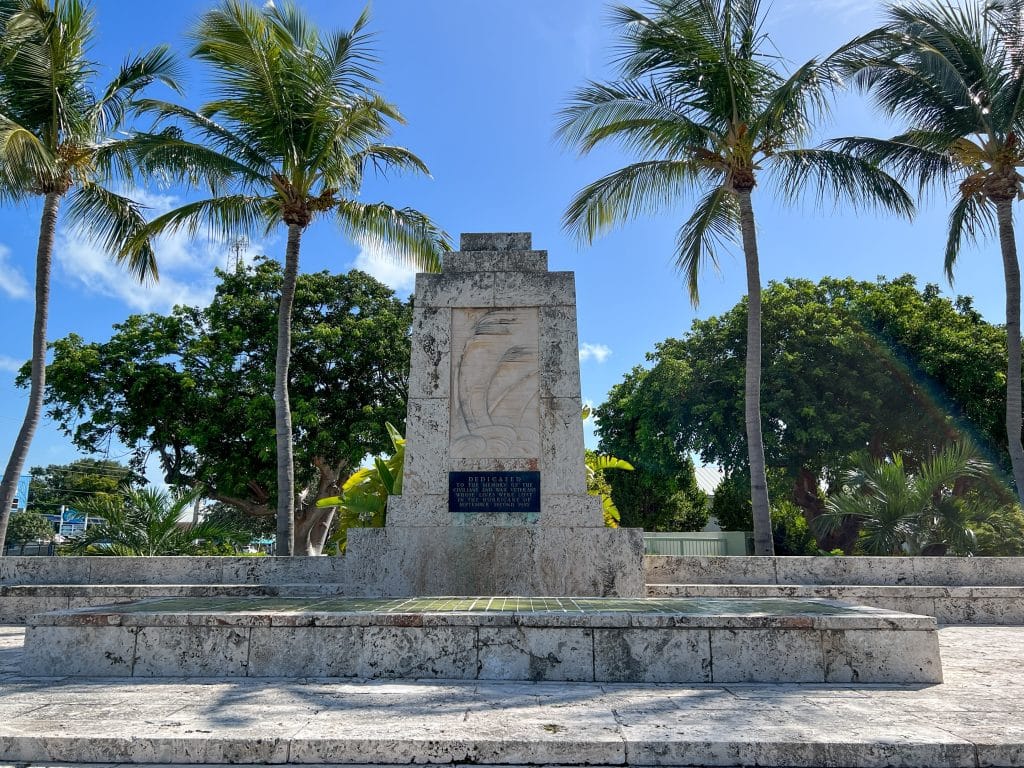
490	638
496	560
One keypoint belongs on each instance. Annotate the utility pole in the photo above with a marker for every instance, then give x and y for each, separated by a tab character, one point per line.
238	249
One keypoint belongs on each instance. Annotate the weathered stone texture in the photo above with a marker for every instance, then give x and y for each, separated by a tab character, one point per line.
530	653
495	387
559	353
498	560
496	261
430	363
175	651
866	571
495	241
571	640
652	655
852	657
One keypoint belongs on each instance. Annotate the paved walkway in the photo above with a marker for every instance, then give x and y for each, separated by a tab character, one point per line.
974	718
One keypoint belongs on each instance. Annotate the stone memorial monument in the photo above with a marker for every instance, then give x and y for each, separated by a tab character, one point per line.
494	497
495	516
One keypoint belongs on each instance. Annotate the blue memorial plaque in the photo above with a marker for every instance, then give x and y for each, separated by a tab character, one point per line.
494	492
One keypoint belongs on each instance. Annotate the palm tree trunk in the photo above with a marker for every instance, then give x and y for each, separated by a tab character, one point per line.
1011	270
763	543
282	408
44	258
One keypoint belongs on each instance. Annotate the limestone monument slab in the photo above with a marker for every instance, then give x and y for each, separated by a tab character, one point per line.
494	492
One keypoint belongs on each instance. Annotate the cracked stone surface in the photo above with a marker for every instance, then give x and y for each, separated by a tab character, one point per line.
971	719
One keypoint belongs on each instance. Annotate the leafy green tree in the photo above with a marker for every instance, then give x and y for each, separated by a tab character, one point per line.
903	512
195	388
60	137
702	103
730	504
27	527
998	528
661	494
288	137
231	517
953	73
68	485
928	371
148	522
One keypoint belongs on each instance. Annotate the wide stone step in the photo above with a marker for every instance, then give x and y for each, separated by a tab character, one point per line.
489	638
19	601
949	605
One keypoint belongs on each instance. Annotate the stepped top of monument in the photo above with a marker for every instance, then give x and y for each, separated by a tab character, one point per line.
496	241
495	252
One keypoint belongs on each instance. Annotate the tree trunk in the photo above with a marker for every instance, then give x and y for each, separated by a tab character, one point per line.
763	543
44	258
311	529
1011	269
282	408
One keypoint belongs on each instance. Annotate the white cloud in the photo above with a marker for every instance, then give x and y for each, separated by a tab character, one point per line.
185	263
10	364
376	260
93	268
12	282
596	352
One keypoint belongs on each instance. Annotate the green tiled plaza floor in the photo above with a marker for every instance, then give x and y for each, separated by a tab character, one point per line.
560	605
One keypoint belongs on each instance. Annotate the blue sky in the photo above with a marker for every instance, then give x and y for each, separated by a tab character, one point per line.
479	83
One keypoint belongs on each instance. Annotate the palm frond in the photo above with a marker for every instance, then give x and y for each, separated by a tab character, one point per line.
158	64
640	188
642	116
715	221
404	234
169	156
971	218
383	157
216	137
840	176
25	160
350	57
119	224
225	217
792	109
916	155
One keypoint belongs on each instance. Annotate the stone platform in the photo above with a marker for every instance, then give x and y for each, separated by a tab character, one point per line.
971	719
489	638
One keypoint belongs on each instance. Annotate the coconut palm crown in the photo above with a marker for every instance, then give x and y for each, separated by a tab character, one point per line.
292	128
59	138
702	104
954	75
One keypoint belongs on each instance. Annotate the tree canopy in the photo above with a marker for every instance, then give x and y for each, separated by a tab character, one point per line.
195	387
69	485
849	366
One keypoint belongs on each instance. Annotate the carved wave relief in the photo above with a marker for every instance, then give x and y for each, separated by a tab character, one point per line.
495	383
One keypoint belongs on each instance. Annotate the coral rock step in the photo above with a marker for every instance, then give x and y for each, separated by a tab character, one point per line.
949	605
659	640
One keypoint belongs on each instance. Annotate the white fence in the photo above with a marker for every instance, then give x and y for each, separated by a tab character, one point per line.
694	544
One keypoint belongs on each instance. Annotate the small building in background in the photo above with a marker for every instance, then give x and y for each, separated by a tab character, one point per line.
21	494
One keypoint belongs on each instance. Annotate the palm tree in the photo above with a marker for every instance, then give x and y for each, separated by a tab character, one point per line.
954	74
699	99
291	130
902	512
148	522
56	140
